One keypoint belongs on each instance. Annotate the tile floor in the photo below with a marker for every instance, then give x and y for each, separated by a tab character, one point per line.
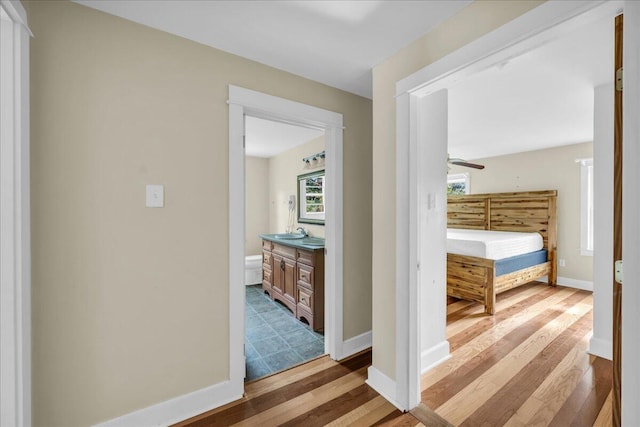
274	338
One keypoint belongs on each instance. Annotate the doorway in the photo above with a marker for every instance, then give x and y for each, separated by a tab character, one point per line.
245	102
282	331
412	95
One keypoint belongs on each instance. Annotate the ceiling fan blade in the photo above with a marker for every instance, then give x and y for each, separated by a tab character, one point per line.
466	164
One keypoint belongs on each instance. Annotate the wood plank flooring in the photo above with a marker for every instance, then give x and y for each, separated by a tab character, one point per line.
527	365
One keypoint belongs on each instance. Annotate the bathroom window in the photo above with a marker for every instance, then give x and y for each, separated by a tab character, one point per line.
311	198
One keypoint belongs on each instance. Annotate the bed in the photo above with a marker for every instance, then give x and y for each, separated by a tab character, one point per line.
481	278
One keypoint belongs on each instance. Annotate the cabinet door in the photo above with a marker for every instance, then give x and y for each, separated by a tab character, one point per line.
289	274
277	278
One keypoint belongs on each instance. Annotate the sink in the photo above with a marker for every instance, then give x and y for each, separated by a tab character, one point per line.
313	241
288	236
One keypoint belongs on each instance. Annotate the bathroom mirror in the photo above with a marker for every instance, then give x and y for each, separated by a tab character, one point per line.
311	198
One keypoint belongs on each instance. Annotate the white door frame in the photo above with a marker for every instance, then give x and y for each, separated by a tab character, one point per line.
15	249
546	22
245	102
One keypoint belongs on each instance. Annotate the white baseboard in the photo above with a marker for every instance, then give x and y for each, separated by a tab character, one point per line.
384	385
574	283
356	344
177	409
434	356
601	348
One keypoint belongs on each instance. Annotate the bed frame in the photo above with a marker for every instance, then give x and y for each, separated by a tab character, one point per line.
472	278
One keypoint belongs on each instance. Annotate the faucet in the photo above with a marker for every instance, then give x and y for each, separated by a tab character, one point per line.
302	231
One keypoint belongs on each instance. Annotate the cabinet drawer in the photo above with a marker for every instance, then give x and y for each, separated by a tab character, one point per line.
306	257
286	251
266	276
305	276
267	245
267	260
305	299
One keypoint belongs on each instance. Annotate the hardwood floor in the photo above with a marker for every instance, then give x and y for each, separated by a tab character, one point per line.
527	365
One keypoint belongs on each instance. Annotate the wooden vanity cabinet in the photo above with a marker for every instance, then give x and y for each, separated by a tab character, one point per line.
283	285
310	283
267	266
295	277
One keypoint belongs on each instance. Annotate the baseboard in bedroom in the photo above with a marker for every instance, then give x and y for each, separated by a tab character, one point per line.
574	283
601	348
356	344
178	409
384	385
433	356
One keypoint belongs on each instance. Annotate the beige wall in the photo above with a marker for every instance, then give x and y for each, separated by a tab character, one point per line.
470	23
550	169
130	303
283	172
256	203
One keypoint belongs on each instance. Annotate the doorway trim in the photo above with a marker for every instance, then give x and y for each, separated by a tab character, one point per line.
245	102
15	218
542	24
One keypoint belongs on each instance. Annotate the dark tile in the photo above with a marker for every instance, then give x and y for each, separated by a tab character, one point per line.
271	331
282	360
259	332
264	306
249	311
250	352
286	325
310	350
257	368
299	337
273	316
252	322
268	346
256	297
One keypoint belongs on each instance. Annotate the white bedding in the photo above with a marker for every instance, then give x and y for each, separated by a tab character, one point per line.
491	244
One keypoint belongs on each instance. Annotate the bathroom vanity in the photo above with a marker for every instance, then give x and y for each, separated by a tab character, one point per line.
293	273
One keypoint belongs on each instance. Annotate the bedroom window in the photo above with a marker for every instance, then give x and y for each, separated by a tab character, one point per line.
458	183
586	207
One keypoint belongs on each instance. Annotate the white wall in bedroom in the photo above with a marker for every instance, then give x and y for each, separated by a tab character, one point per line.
549	169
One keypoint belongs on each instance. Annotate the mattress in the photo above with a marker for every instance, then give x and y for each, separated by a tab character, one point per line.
518	262
491	244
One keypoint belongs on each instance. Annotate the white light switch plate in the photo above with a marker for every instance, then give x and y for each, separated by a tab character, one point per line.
155	196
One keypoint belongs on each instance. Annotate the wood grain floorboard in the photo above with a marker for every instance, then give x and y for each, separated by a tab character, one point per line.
584	404
605	417
367	414
449	386
398	419
522	385
250	407
507	298
541	407
525	366
489	322
325	413
463	404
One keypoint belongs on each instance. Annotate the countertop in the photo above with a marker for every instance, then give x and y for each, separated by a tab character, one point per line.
308	243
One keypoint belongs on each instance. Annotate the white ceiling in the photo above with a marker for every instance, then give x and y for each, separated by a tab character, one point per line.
538	100
541	99
265	138
332	42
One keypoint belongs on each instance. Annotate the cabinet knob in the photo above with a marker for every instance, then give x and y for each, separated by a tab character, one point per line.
282	265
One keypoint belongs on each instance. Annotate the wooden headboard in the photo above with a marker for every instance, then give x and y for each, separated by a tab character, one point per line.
529	211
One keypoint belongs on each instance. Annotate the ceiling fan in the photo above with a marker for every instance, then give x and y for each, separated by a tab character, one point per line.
462	162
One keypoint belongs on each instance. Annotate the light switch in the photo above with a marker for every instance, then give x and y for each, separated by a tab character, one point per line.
155	196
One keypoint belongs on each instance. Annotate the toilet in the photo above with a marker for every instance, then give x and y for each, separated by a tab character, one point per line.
253	270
